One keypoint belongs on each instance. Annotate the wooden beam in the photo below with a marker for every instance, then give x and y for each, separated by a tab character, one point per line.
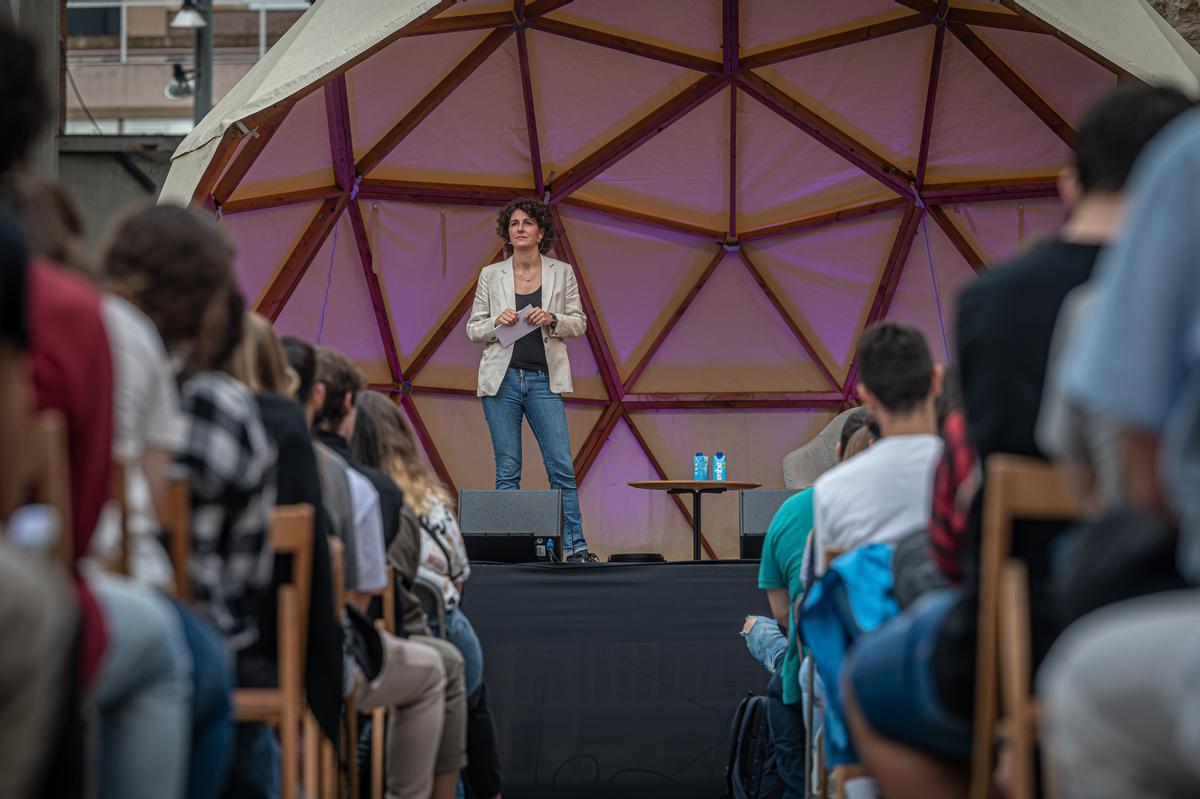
730	50
888	281
821	44
672	321
535	151
1024	92
595	440
957	238
293	268
935	71
427	443
375	291
926	7
626	45
734	401
733	186
543	7
1078	46
980	191
597	342
431	101
280	199
649	219
464	22
637	134
245	158
816	126
994	19
408	191
821	220
662	475
780	309
225	150
341	145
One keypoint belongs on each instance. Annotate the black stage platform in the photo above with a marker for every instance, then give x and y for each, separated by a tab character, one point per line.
614	680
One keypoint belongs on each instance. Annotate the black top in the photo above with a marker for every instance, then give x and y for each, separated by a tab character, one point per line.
297	482
529	351
12	286
1006	319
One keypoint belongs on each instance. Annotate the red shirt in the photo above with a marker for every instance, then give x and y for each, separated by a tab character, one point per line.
948	520
72	373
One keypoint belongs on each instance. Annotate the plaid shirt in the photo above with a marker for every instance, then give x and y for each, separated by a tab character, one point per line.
229	461
953	487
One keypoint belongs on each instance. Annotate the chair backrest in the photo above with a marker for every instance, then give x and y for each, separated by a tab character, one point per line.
1015	487
176	520
41	475
117	500
292	535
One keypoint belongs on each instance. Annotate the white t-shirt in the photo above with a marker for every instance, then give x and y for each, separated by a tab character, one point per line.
879	495
370	559
146	415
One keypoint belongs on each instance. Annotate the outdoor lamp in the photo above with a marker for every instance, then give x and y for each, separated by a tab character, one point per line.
188	17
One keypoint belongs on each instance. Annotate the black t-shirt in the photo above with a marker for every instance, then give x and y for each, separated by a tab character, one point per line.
1005	322
529	351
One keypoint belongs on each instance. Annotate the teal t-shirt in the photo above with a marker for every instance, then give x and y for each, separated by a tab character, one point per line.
783	550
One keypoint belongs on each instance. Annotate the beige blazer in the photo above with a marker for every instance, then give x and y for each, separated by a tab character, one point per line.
495	292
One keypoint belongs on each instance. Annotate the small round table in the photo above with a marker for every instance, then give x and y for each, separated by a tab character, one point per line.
695	488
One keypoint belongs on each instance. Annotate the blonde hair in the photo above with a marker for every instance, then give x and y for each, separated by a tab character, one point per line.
259	360
862	438
399	455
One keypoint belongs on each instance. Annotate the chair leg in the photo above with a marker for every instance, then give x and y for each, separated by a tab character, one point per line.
312	746
352	746
329	771
289	740
378	719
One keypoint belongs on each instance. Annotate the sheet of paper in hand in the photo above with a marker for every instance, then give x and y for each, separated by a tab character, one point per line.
508	334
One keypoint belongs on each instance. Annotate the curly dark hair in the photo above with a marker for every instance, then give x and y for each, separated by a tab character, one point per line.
538	211
23	96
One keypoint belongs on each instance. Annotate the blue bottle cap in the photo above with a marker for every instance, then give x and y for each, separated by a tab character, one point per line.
699	454
720	454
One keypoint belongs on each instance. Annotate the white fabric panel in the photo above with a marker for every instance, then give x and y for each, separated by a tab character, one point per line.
298	157
262	240
754	443
637	275
827	278
881	106
185	174
766	24
730	339
581	107
692	26
682	173
1003	230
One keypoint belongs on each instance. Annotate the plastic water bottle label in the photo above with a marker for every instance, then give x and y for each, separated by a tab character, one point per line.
718	466
700	467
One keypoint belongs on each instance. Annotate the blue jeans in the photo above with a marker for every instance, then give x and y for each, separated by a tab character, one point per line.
767	643
460	633
528	394
212	710
787	736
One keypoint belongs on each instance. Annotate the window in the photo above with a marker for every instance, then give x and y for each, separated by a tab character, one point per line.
94	22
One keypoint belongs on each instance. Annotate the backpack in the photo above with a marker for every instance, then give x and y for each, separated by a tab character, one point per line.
750	772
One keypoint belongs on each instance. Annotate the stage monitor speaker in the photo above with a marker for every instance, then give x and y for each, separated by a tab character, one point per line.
756	509
510	526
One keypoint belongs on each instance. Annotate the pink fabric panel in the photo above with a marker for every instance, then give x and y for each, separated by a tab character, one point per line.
1003	230
875	90
637	276
602	92
476	7
617	518
585	372
730	339
693	26
350	325
421	281
385	87
455	363
982	130
477	135
263	239
827	278
298	156
771	23
784	174
754	442
1069	80
682	173
914	300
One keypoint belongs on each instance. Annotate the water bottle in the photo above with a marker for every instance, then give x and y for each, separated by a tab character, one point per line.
719	466
549	550
700	467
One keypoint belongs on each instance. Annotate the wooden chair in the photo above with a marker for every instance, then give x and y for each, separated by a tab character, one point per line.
1016	488
379	715
41	475
176	521
283	707
116	497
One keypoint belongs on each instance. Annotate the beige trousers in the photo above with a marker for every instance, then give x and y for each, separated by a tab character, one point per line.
411	686
452	752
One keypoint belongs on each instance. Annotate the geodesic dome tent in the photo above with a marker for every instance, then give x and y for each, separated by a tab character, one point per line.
741	185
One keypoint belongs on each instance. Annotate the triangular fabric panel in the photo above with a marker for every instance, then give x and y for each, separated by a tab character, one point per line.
766	24
468	7
439	249
477	135
874	90
378	99
298	156
656	23
682	173
784	174
261	240
617	518
914	301
581	107
827	277
460	432
616	254
980	128
1066	78
754	443
585	372
730	339
349	324
1002	231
